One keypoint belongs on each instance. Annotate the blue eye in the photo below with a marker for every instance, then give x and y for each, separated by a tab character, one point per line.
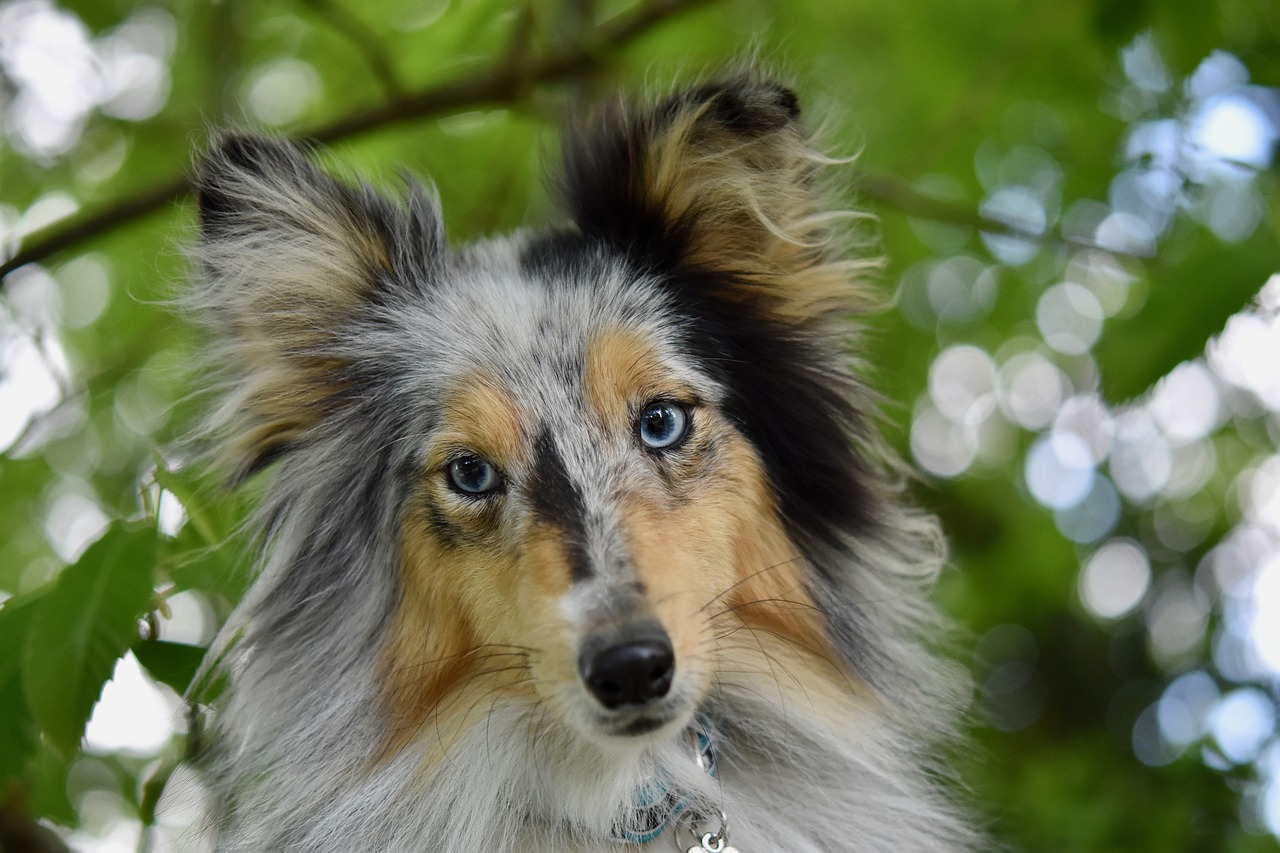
662	425
472	475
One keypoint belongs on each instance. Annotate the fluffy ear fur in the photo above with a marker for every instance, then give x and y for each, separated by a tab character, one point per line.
721	178
289	257
718	190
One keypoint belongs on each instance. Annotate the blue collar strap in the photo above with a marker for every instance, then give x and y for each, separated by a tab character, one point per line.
658	802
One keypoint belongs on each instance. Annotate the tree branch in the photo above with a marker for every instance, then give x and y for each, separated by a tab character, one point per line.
67	233
363	38
900	196
19	831
507	80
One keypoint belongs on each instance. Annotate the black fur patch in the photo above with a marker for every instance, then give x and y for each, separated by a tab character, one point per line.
221	208
788	390
600	187
744	106
557	501
602	178
270	454
446	532
791	399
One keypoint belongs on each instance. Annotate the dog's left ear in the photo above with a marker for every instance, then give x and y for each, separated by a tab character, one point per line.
720	178
719	191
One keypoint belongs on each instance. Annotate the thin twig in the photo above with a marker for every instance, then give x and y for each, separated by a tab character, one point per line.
503	82
900	196
63	235
364	39
507	80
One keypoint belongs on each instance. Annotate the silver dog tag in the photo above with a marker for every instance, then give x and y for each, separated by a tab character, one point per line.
712	843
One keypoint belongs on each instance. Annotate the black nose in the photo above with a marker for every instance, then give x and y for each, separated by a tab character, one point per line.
631	672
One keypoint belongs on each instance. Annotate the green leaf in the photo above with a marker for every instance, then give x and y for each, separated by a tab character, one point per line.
174	664
82	626
19	734
15	616
47	787
202	511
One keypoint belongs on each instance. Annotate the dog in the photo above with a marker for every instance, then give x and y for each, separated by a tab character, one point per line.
576	539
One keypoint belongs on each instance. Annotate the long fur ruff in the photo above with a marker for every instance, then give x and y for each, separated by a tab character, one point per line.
407	672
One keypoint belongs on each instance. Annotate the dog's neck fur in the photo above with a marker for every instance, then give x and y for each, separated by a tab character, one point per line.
517	784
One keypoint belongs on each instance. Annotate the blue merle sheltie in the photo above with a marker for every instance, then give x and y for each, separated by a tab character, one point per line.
577	539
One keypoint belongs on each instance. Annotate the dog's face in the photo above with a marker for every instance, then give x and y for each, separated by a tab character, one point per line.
588	519
615	450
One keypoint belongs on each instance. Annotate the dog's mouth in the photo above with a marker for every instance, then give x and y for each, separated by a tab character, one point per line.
641	721
643	726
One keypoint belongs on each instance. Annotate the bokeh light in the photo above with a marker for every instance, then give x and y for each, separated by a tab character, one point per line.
1242	722
1059	470
1032	389
280	92
1143	487
1070	318
62	73
1115	579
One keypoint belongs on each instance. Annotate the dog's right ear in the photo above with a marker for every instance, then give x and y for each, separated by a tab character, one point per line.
289	257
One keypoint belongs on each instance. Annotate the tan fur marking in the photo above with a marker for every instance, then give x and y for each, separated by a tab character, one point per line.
451	643
460	633
622	369
726	582
547	564
757	209
770	624
285	395
723	543
426	650
679	558
481	416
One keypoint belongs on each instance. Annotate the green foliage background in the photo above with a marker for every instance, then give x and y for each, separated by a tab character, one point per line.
932	94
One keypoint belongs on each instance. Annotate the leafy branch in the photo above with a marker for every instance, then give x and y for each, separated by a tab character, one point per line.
507	80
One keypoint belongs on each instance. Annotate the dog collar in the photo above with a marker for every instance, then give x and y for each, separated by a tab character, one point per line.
658	802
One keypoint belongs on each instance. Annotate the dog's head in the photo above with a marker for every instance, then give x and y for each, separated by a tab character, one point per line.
610	460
